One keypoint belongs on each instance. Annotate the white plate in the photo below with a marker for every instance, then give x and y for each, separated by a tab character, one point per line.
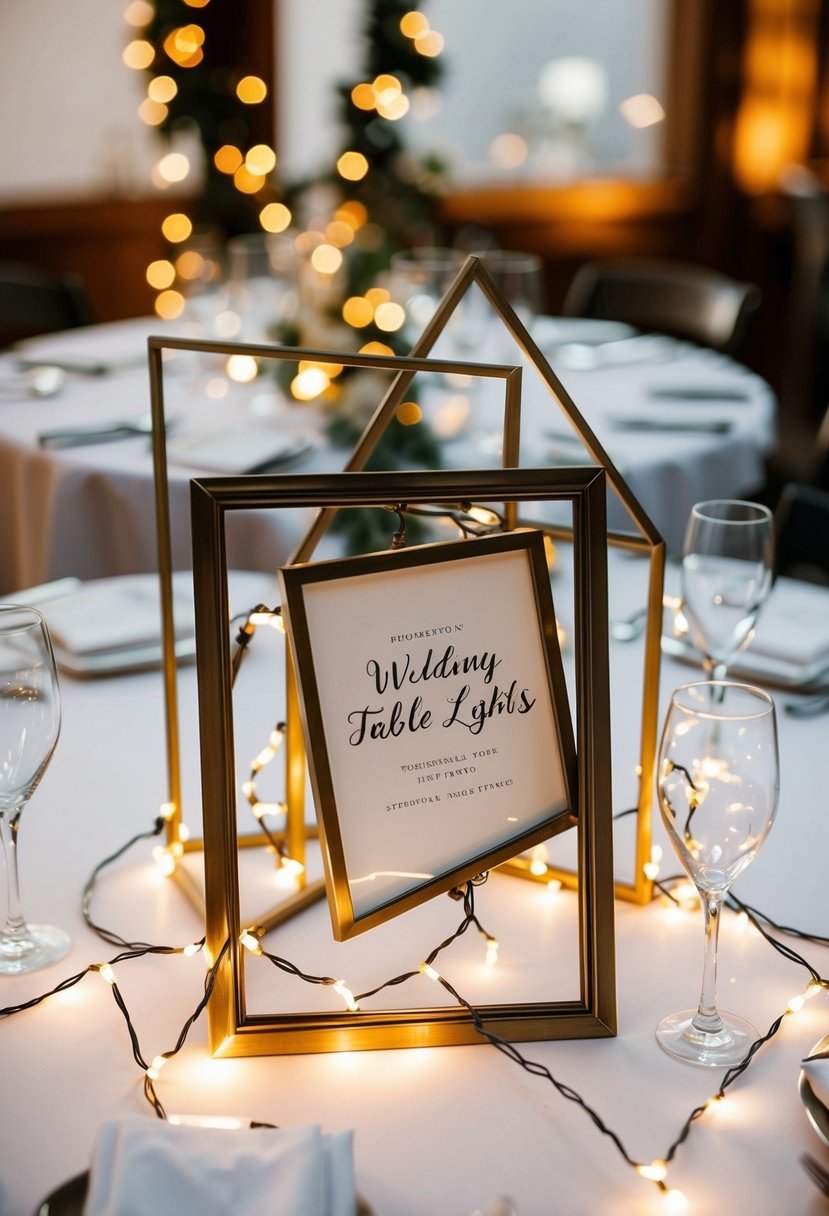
241	448
817	1113
137	647
791	646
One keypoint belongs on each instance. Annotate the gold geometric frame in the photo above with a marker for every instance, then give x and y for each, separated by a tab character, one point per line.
234	1032
646	539
296	832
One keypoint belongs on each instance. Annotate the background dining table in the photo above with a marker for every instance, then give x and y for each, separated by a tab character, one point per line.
681	423
437	1130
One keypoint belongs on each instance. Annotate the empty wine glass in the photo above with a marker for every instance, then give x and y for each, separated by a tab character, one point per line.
718	784
261	282
726	577
29	728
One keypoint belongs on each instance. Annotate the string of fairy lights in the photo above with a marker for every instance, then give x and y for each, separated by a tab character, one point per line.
675	1201
677	892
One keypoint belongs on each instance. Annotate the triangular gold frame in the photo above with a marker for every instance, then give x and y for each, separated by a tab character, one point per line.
646	539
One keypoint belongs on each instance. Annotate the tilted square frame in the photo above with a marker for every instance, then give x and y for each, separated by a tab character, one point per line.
346	746
232	1030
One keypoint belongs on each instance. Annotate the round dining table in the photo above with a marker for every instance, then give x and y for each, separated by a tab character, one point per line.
680	423
454	1131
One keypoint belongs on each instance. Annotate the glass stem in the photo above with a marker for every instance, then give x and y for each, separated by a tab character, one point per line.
706	1018
15	927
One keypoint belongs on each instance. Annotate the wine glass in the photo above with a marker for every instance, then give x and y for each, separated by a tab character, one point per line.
200	275
418	279
29	728
718	785
726	577
519	277
261	282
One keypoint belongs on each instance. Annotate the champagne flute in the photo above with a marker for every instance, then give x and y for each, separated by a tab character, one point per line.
29	728
718	785
726	577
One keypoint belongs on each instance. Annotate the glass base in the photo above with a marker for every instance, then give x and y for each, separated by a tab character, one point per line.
41	946
721	1047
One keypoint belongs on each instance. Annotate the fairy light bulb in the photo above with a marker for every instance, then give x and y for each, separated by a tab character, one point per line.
347	995
655	1172
164	860
675	1202
251	942
538	861
651	868
106	973
156	1066
192	949
427	969
290	865
491	952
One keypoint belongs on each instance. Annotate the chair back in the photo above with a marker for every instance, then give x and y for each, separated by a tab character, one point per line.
801	521
676	298
36	301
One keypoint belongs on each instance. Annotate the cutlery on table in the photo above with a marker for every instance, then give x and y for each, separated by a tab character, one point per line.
83	366
700	426
43	381
698	392
816	1172
77	436
629	628
584	356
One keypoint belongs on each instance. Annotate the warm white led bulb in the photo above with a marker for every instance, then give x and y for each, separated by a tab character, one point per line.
655	1172
347	995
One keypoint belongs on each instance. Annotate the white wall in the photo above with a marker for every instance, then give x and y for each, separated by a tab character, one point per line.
68	122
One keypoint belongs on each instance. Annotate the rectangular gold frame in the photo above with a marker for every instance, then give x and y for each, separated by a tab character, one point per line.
234	1032
346	920
295	831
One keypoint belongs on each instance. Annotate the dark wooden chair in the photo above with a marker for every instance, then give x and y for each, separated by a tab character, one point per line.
802	525
36	301
675	298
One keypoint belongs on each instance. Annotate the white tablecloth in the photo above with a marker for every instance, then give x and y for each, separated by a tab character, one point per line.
88	511
437	1131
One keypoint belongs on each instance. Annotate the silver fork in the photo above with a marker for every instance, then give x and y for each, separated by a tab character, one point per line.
79	435
816	1172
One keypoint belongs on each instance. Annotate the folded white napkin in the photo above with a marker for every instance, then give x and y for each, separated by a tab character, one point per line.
236	449
112	613
817	1074
793	625
143	1166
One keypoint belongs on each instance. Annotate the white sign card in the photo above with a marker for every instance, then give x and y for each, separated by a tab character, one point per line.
435	711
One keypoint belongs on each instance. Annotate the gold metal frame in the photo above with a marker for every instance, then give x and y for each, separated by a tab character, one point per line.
346	919
232	1031
645	539
295	830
